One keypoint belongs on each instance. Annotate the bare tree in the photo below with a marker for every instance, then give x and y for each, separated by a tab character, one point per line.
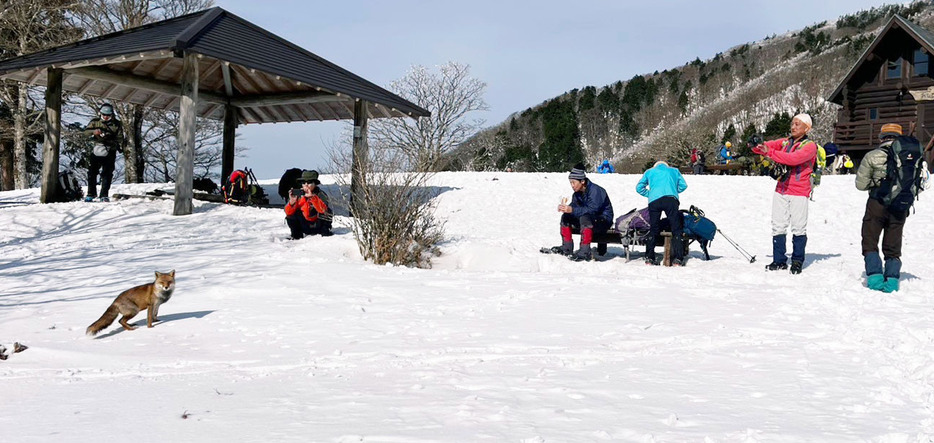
393	210
450	95
100	17
160	137
26	27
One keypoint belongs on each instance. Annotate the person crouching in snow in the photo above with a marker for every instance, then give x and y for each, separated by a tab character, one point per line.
590	211
790	200
662	184
308	211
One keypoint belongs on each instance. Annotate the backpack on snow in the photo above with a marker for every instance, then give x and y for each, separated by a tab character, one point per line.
903	174
699	227
67	188
241	189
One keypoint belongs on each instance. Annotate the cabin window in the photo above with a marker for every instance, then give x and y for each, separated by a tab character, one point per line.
894	69
873	113
921	61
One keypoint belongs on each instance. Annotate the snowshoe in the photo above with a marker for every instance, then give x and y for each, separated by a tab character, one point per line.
553	250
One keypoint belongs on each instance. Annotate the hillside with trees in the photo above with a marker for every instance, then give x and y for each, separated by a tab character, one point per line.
751	88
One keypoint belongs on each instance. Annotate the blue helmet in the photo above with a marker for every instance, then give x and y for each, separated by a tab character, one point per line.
107	109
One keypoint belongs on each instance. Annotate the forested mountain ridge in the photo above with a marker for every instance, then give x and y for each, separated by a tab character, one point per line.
751	88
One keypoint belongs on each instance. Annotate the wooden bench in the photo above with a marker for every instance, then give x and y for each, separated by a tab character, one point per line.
612	236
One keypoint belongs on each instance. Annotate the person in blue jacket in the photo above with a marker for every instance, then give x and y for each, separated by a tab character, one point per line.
662	184
605	168
590	210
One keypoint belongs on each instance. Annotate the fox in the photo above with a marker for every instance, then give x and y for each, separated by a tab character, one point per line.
130	302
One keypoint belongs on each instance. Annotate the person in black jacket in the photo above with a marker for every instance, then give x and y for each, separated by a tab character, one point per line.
107	133
590	211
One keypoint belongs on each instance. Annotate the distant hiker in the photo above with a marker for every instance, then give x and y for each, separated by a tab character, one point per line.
831	150
107	133
892	175
698	161
590	211
308	211
606	168
662	184
795	158
725	155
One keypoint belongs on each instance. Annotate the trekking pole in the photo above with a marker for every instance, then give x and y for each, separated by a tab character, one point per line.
746	255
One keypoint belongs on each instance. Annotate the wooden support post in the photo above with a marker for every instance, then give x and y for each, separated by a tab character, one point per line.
53	131
230	133
360	151
185	165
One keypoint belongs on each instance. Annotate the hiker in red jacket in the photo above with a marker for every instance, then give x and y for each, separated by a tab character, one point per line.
308	212
790	200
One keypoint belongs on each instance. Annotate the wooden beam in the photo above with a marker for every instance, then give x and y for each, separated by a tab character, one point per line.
286	98
53	131
148	84
228	80
185	165
360	152
230	134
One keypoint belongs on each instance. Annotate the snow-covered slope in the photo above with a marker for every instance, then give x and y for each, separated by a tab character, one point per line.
274	340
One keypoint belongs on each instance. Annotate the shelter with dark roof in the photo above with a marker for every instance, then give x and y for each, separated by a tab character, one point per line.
209	64
892	82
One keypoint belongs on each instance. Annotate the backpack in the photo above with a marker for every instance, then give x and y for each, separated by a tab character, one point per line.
67	188
820	161
637	219
699	227
903	175
241	189
288	182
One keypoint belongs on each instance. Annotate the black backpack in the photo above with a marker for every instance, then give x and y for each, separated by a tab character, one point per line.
903	174
67	188
288	182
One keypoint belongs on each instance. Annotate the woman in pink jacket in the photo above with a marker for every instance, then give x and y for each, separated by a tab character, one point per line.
790	201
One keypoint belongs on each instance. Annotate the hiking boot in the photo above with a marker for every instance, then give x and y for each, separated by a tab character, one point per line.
677	263
88	199
875	282
776	266
105	199
581	256
651	261
796	267
890	285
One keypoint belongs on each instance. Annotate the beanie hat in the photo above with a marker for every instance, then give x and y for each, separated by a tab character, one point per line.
804	118
890	130
577	173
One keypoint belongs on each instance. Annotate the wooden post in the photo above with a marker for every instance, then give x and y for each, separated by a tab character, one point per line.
230	133
185	169
360	150
53	131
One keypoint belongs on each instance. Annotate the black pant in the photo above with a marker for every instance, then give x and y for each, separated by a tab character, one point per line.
670	206
599	226
300	226
880	221
106	167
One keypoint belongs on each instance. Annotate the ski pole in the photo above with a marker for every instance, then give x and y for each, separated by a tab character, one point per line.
746	255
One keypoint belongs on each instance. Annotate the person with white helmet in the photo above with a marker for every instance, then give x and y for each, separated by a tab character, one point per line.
107	134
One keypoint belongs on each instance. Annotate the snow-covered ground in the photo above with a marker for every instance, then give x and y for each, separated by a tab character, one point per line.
274	340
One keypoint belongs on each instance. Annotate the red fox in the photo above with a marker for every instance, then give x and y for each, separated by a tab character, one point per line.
133	300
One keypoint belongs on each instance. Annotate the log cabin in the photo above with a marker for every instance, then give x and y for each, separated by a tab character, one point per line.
892	82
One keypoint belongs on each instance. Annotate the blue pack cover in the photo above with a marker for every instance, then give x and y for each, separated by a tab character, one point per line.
699	227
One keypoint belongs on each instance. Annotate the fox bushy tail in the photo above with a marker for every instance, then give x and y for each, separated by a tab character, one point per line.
109	316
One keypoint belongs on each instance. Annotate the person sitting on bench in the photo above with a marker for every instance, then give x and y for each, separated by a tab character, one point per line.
662	184
590	211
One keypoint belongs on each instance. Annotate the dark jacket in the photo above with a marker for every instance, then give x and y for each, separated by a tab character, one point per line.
592	201
111	133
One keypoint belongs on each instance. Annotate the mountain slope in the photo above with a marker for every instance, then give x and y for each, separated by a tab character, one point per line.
755	87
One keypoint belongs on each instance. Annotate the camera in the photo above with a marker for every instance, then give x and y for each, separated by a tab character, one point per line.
297	192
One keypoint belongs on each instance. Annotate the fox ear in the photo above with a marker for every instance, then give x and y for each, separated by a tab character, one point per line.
172	273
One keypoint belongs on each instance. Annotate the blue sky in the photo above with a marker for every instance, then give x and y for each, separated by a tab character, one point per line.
526	51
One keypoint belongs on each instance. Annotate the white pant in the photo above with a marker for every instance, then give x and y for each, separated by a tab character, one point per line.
789	211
